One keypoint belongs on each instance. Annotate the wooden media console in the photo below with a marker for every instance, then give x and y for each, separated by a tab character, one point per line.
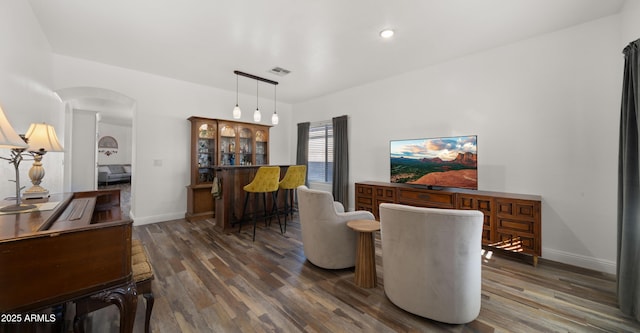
512	222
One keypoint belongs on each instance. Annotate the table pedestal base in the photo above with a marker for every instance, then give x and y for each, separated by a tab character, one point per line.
365	275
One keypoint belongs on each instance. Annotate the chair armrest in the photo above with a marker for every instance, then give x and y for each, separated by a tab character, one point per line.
338	206
357	215
103	176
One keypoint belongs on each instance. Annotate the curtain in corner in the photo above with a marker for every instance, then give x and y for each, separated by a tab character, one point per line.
628	252
302	152
340	161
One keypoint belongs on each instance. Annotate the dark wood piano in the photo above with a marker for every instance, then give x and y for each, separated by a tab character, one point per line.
79	248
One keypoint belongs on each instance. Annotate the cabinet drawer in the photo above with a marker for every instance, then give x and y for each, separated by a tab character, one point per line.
515	226
364	190
483	204
364	200
522	210
517	243
368	208
386	193
426	198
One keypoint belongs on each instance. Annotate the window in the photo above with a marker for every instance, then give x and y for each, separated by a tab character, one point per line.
320	167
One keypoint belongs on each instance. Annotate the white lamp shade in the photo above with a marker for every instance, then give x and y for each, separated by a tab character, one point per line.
275	119
8	136
237	113
257	116
42	137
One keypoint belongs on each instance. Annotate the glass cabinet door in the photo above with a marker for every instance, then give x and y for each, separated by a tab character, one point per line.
245	150
227	145
261	147
206	152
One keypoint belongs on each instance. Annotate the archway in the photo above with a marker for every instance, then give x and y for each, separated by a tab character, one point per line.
91	112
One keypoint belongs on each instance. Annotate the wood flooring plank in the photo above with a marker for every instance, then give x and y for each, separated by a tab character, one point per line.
210	281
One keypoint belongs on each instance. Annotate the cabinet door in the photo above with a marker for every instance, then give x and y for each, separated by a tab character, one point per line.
518	225
204	150
245	146
487	206
262	146
364	198
382	194
228	143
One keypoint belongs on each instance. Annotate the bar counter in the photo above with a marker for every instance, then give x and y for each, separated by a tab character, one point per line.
228	208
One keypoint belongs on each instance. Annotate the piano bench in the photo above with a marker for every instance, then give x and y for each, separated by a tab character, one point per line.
142	276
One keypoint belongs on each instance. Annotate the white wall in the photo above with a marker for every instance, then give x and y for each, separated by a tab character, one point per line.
546	114
25	90
123	136
545	110
161	130
83	145
630	22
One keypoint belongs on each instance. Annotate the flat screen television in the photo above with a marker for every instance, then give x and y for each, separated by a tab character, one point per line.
436	162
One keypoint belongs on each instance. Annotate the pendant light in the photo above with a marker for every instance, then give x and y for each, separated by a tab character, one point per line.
237	113
274	117
256	114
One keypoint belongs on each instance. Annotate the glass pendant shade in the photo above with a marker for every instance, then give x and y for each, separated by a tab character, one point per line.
237	113
274	117
257	116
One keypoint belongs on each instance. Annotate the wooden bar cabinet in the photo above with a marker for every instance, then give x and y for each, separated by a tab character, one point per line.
215	143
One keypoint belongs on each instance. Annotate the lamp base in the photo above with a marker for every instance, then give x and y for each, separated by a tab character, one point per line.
35	192
16	208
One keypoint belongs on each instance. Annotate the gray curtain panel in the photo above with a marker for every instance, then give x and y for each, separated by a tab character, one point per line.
302	152
628	256
340	161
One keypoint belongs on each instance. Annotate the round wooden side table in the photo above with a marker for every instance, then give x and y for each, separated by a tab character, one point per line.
365	274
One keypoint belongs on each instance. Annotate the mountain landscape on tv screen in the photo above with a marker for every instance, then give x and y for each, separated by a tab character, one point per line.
432	162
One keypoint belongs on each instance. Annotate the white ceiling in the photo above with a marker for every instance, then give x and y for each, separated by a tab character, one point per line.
328	45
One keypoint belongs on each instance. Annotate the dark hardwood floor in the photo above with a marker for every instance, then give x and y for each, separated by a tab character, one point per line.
208	281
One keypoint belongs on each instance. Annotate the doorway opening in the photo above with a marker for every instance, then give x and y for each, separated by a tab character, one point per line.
101	142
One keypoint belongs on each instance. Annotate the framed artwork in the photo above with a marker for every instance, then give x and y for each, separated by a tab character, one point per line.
107	145
108	142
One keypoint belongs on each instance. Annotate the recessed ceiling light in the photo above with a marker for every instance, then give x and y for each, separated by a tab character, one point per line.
386	33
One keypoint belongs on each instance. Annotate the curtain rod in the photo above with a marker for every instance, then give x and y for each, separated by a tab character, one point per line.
255	77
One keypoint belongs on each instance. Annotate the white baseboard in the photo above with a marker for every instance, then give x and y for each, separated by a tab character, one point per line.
156	218
596	264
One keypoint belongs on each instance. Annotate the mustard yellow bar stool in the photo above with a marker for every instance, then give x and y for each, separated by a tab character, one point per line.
294	177
265	181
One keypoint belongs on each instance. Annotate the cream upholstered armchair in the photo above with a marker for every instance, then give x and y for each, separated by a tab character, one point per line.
326	239
432	262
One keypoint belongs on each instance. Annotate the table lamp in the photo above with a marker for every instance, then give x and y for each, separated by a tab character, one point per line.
41	138
11	140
